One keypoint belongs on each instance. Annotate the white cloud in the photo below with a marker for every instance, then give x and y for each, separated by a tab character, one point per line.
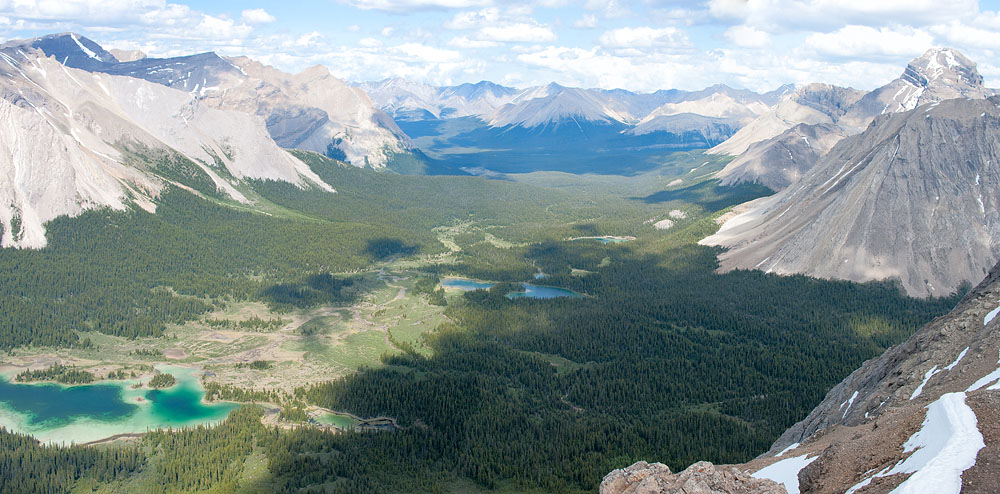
466	42
309	40
369	42
747	37
472	19
588	21
84	11
428	53
728	9
400	6
257	16
826	15
957	33
594	68
644	37
354	28
519	32
610	9
863	42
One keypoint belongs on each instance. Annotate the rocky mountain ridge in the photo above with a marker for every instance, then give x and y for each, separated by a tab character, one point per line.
937	75
909	199
312	110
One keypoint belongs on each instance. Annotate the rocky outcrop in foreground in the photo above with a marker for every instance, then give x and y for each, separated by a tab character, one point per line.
700	478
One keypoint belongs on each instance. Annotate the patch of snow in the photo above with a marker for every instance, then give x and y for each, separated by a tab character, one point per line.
789	448
989	317
983	381
867	481
785	472
678	214
849	402
957	360
86	50
945	446
676	181
927	377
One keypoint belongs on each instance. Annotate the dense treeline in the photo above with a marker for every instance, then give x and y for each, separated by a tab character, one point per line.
59	373
27	467
162	380
664	360
199	458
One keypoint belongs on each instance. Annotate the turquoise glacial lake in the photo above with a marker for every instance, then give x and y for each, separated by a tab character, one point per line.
530	290
57	413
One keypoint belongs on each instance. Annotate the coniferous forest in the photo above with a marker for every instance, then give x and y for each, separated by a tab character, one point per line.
661	359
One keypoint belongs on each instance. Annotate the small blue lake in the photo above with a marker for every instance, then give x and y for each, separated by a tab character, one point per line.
530	290
607	239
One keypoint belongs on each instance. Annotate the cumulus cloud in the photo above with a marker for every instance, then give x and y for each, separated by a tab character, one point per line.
518	32
868	42
825	15
257	16
401	6
427	53
747	37
644	37
588	21
466	42
610	9
472	19
513	25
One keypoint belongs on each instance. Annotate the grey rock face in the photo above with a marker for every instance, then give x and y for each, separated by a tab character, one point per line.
700	478
780	161
913	199
937	75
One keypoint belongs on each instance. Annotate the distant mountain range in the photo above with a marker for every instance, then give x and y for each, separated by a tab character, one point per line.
312	110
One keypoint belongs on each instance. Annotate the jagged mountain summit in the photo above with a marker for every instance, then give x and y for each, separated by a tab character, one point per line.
910	199
552	105
78	140
312	110
937	75
924	417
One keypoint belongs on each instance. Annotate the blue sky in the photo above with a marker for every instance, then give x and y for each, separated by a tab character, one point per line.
641	45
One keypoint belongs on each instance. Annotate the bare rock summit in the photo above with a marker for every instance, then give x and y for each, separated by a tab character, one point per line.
700	478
